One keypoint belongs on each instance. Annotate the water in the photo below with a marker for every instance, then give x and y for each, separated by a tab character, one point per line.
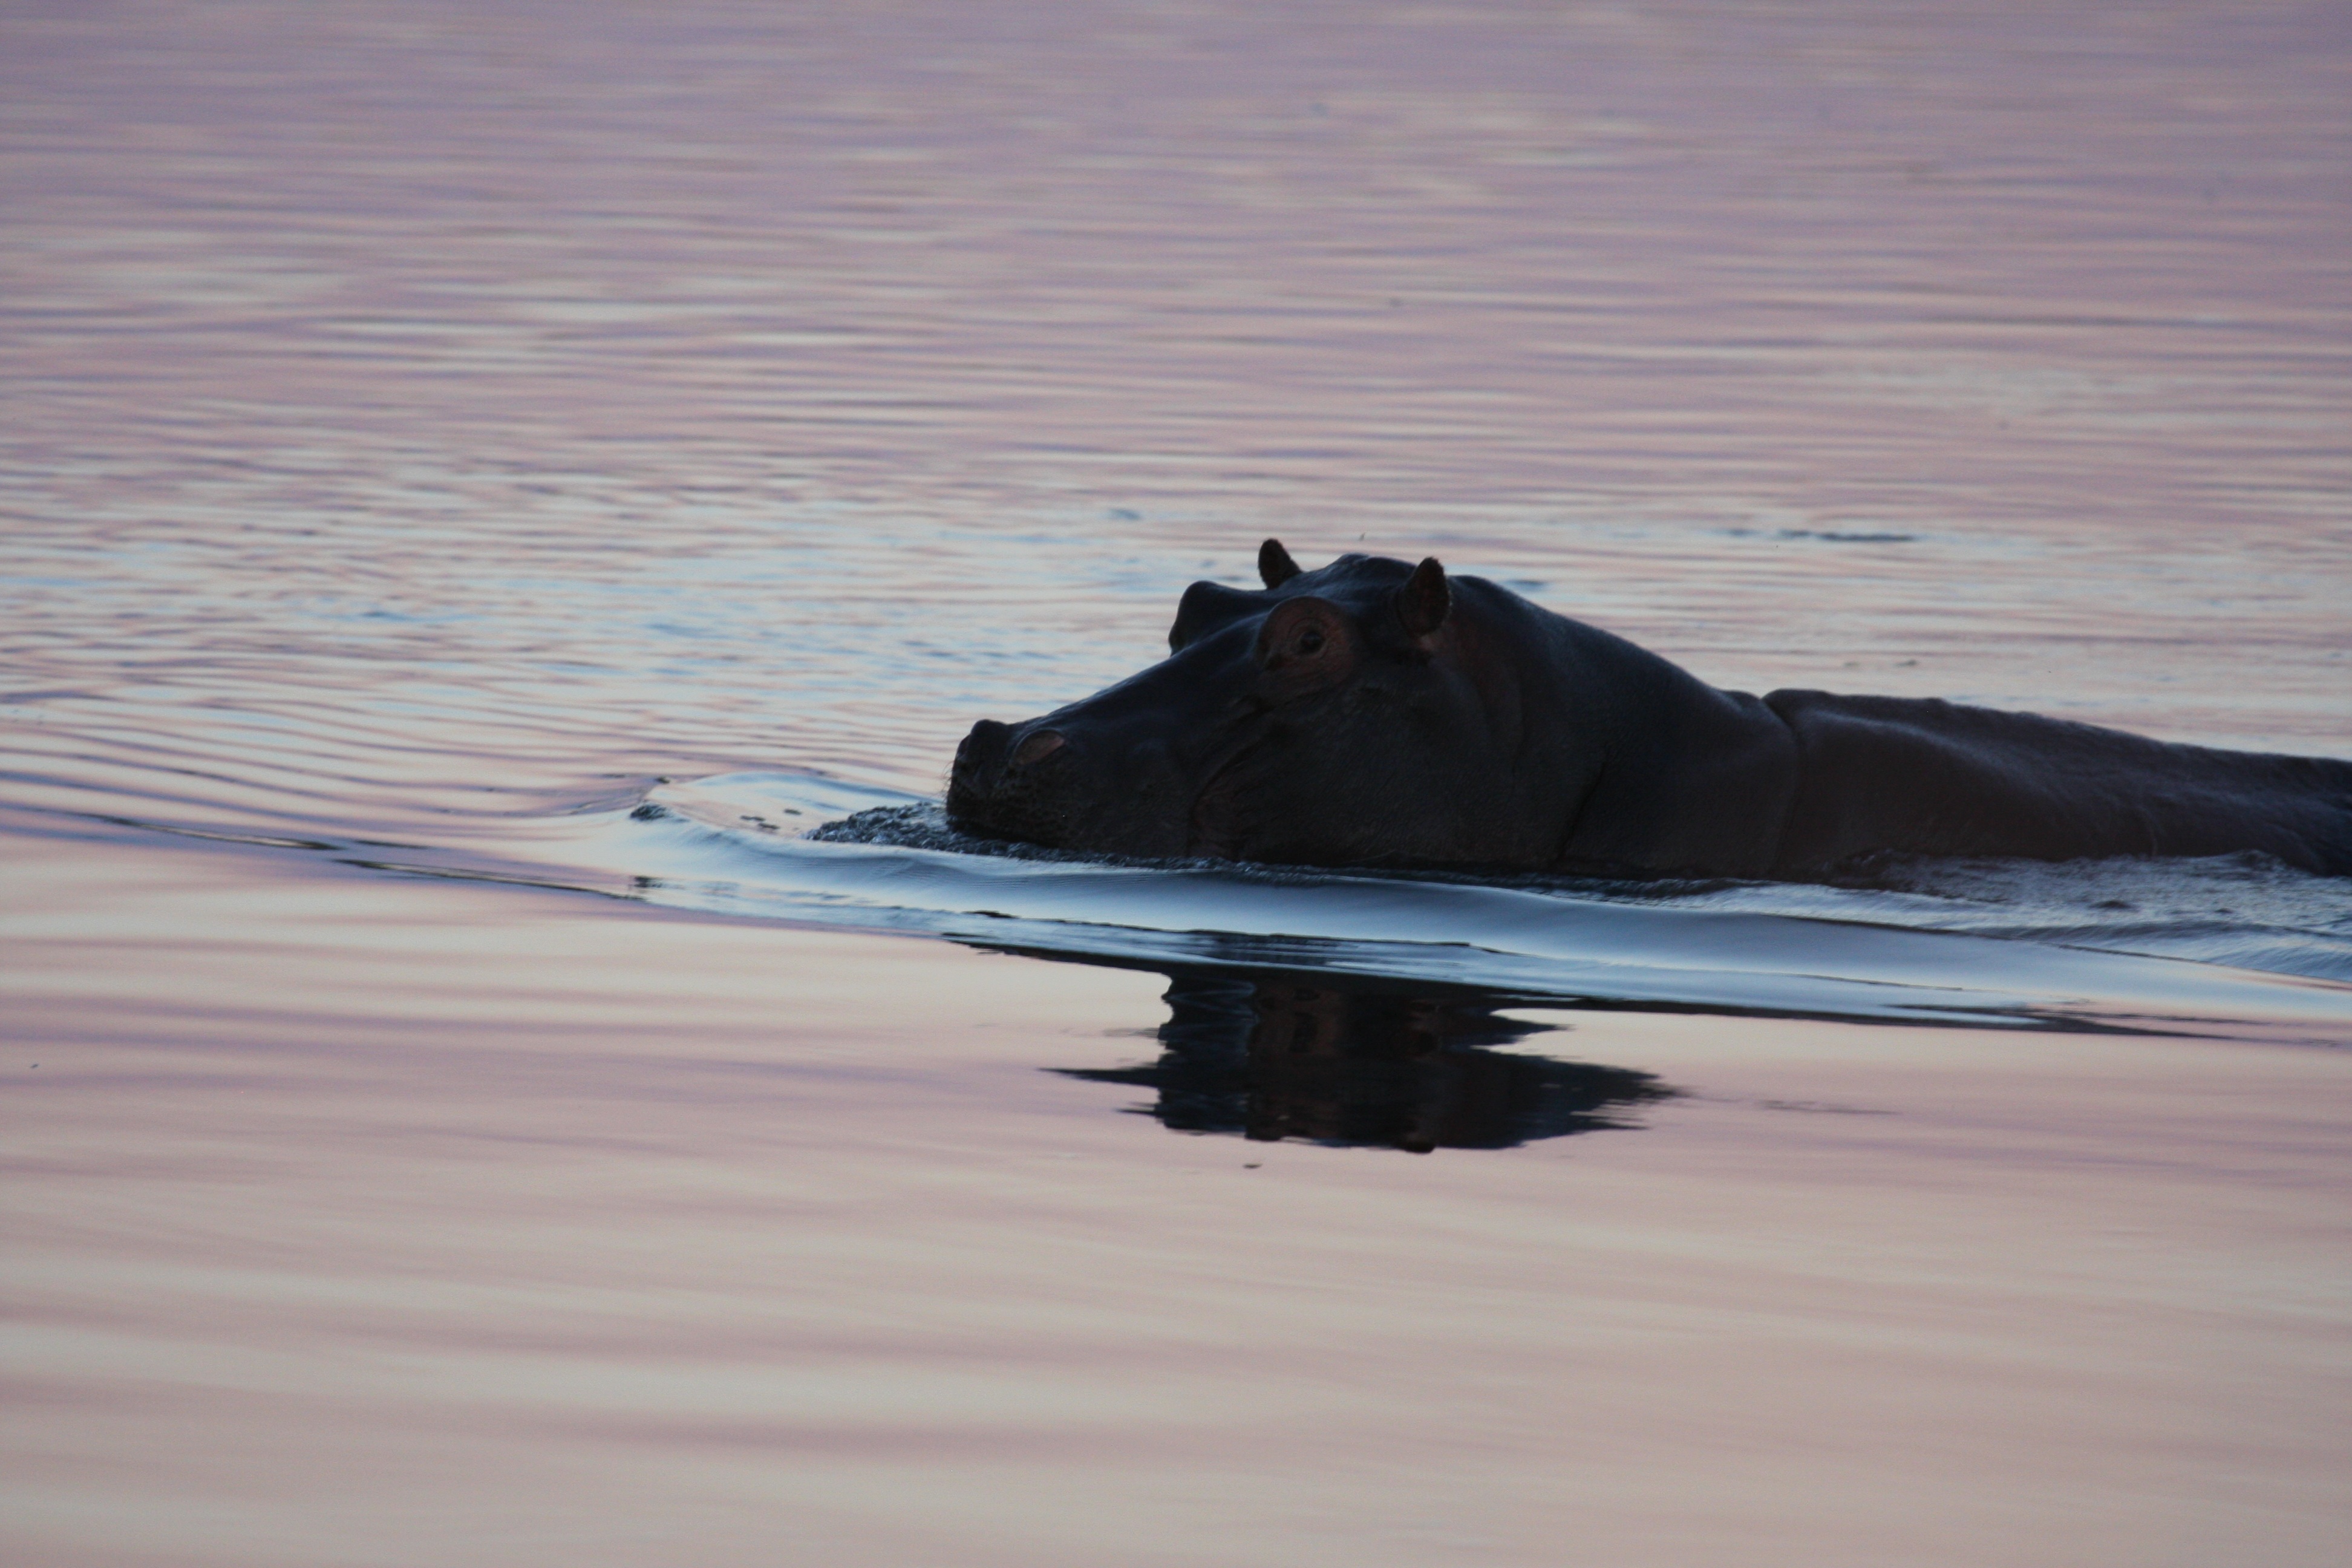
435	435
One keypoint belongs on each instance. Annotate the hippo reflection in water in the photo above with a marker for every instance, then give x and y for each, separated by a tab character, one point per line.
1351	1059
1372	713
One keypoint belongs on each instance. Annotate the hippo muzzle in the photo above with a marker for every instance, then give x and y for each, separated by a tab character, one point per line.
1048	781
1003	783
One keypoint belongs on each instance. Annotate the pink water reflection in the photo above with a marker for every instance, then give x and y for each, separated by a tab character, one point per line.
420	418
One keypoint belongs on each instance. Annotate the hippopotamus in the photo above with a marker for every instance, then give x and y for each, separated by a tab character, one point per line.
1374	713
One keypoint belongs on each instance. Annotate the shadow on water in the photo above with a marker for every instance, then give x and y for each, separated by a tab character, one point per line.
1280	1054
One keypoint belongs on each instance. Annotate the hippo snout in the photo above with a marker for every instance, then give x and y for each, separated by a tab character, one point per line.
992	751
1086	777
982	755
1000	783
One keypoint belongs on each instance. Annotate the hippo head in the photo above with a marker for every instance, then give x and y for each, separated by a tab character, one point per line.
1353	715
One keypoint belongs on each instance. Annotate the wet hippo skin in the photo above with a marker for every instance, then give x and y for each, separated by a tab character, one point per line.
1373	713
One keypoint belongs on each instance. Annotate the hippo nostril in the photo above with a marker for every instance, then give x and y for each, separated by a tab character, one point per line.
985	748
1037	747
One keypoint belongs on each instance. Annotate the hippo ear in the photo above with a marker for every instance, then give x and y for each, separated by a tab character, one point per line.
1424	601
1275	565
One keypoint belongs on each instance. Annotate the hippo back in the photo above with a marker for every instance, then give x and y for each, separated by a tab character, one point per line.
1924	776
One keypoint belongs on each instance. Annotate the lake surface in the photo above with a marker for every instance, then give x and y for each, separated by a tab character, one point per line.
488	494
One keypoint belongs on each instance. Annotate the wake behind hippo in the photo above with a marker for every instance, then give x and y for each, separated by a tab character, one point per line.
1372	713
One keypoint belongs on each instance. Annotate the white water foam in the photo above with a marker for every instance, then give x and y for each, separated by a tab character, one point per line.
1991	944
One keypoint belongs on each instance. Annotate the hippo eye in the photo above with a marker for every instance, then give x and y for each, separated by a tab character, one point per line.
1310	641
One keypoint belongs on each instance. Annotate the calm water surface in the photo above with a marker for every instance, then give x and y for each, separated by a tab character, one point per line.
479	484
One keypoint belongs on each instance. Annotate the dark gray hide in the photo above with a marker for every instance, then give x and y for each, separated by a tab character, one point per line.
1373	713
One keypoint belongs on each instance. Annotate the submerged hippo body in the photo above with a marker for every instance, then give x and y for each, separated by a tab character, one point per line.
1372	713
